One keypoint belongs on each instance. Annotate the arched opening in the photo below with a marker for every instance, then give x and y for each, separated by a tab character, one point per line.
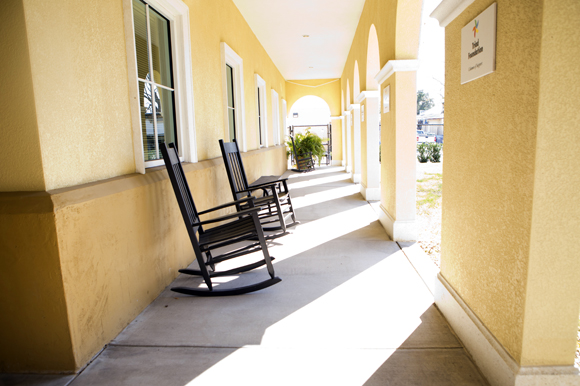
356	81
341	101
312	113
373	59
372	126
309	110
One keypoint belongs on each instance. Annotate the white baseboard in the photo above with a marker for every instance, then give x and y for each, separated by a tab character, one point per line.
370	194
356	178
396	229
490	356
348	168
337	163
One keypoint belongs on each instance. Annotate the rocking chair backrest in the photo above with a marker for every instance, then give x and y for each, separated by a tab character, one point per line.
234	168
180	186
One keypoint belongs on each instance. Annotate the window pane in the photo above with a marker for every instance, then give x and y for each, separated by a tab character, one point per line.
232	120
160	48
165	117
230	76
259	118
147	127
140	21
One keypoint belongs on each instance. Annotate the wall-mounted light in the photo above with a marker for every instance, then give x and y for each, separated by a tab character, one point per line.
305	36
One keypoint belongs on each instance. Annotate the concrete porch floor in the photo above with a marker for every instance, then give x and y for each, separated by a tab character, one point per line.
351	310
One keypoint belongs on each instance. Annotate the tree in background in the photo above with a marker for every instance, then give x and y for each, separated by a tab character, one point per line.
423	101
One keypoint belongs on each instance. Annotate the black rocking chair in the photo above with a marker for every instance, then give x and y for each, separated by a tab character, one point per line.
275	203
305	163
240	226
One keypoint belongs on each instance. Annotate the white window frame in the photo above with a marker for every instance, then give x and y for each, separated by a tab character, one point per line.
178	15
229	57
275	118
263	106
284	123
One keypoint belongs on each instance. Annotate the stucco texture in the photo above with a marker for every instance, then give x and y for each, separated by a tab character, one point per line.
213	22
20	158
79	75
34	328
553	287
490	141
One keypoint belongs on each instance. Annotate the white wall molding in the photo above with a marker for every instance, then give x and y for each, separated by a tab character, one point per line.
366	94
397	230
353	106
490	356
229	56
448	10
393	66
262	104
177	12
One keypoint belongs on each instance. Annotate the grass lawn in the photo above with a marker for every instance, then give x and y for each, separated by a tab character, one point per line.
429	183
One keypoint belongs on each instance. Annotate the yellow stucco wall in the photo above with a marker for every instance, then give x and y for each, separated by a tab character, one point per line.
330	92
490	142
553	288
34	328
213	22
79	75
107	247
20	158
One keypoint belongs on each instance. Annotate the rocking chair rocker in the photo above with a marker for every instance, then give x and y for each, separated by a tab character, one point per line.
241	226
275	203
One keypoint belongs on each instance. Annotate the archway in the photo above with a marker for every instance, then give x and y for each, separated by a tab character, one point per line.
373	59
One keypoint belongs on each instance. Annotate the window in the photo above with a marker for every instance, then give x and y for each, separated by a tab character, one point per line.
155	77
233	94
262	108
231	103
275	118
160	81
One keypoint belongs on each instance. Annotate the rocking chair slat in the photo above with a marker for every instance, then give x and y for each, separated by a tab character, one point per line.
276	200
241	226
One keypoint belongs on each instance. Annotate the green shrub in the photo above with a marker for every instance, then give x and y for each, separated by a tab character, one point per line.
435	152
307	143
424	152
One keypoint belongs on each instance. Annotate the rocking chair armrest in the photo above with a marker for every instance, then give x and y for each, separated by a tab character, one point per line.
250	189
228	216
258	184
228	204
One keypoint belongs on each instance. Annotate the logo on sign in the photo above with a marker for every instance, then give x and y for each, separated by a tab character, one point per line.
475	28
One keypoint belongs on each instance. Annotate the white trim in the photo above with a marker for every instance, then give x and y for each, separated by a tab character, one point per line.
396	229
261	86
229	57
490	356
346	138
178	15
448	10
393	66
356	138
366	94
337	162
337	117
275	117
370	194
284	123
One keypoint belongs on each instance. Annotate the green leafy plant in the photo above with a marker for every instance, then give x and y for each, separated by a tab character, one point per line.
424	152
307	143
435	152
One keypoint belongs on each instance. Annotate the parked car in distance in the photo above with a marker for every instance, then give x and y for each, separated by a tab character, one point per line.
425	137
439	138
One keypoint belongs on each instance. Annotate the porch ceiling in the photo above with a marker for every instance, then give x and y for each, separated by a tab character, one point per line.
280	25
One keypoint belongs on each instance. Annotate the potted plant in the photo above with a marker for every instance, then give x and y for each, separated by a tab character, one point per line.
307	143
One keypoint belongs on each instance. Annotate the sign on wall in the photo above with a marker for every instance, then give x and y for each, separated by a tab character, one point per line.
478	45
362	113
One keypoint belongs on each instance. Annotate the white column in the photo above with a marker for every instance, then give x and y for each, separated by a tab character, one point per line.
347	143
356	156
398	159
370	184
